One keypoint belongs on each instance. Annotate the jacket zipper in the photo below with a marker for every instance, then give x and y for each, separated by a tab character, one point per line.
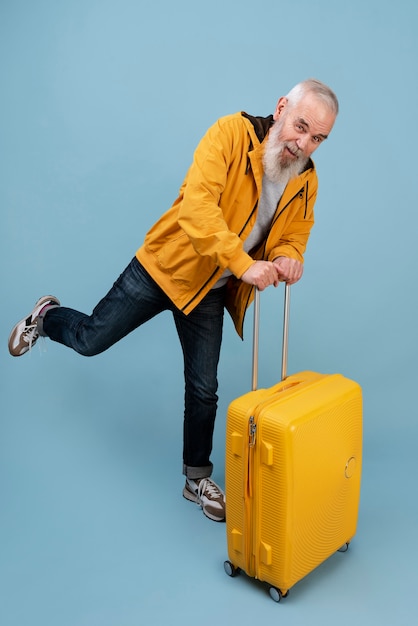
286	206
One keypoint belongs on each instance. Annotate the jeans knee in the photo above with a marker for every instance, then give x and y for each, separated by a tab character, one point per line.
87	352
204	394
89	349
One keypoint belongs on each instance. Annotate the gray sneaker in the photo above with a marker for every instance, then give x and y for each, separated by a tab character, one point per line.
208	495
25	333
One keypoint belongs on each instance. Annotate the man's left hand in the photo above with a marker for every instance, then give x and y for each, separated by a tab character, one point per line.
289	270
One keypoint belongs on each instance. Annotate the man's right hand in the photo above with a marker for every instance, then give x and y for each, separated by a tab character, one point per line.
262	274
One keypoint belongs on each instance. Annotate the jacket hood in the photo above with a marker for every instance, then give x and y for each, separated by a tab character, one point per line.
261	124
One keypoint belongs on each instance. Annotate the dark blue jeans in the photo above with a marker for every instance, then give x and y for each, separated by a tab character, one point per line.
134	299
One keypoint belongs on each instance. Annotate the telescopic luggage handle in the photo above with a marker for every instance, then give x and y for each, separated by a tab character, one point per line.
285	343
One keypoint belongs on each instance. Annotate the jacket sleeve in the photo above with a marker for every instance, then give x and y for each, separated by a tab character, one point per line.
200	214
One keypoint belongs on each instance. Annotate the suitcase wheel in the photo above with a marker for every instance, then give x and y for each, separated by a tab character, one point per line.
276	594
344	547
230	569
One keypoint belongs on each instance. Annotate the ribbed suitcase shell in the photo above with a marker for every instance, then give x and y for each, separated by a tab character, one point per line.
293	471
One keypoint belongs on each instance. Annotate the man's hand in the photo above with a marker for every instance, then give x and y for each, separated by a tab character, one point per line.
288	270
261	274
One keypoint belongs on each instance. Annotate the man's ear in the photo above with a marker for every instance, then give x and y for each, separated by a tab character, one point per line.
280	106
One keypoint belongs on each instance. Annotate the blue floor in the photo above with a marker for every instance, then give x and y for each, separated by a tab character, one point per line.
96	533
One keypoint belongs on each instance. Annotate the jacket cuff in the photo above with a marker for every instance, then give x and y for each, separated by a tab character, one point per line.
286	251
240	263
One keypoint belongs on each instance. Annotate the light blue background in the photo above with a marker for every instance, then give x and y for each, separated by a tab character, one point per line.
102	104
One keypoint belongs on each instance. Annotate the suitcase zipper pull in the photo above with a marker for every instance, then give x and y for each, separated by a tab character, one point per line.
252	428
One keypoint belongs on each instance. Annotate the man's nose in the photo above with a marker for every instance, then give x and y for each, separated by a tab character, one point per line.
303	143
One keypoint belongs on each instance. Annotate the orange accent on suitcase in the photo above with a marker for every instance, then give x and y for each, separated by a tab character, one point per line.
293	469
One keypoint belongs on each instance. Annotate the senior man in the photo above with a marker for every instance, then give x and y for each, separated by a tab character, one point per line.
242	219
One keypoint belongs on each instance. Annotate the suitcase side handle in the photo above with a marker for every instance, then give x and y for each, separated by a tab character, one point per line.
285	342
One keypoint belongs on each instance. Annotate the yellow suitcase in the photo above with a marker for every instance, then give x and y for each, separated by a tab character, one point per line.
293	471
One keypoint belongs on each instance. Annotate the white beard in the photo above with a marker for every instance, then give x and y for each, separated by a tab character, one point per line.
277	167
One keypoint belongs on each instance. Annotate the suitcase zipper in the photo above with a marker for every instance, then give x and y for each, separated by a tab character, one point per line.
253	530
250	560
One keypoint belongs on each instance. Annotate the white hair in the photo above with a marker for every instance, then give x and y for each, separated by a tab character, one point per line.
318	89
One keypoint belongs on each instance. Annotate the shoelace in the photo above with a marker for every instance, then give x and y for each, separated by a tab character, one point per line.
30	334
209	487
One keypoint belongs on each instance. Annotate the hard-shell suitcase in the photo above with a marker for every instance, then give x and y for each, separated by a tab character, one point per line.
293	470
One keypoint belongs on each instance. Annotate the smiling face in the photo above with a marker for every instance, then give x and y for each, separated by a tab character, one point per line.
298	130
304	125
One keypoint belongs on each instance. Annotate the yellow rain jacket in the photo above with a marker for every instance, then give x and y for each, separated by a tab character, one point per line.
202	234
